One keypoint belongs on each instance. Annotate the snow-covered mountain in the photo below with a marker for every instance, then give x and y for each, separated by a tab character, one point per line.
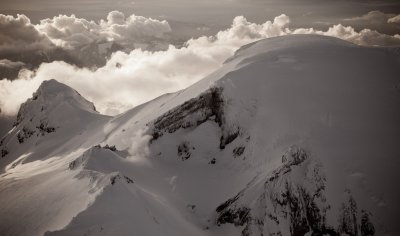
294	135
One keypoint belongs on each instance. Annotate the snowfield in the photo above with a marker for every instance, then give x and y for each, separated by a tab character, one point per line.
293	135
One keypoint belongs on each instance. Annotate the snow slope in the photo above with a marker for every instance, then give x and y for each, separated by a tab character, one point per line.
294	135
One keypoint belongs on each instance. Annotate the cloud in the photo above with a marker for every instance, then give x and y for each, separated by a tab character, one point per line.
365	37
394	19
14	93
9	69
372	17
133	31
5	63
131	78
19	34
75	40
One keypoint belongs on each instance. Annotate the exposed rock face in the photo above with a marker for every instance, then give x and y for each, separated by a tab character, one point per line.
44	128
291	201
348	216
208	106
184	151
288	201
281	203
238	151
366	228
4	152
118	177
24	134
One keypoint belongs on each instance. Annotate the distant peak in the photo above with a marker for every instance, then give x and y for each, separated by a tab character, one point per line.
53	88
50	96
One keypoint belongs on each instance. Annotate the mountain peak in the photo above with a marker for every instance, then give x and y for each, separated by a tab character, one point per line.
55	112
53	86
50	89
53	96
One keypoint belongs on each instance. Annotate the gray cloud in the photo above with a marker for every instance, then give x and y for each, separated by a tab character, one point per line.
11	64
75	40
10	69
372	17
394	19
18	34
134	31
131	78
374	20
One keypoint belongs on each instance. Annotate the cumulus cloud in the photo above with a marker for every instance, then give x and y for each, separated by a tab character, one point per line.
394	19
9	69
71	32
372	17
75	40
365	37
131	78
19	34
133	31
5	63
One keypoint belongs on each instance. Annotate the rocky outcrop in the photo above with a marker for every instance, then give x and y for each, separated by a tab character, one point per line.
281	203
367	227
291	200
207	106
4	152
348	216
24	134
184	151
119	177
288	201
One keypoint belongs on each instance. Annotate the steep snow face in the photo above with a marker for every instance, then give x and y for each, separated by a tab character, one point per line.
294	135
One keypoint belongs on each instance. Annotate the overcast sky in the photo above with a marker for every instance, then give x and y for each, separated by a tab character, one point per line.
119	54
215	14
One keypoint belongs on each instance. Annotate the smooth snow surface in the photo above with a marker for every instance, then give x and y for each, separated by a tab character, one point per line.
294	135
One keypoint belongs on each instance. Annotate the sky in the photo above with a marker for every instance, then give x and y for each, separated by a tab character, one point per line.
119	54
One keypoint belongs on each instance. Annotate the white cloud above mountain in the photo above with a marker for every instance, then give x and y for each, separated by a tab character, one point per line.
131	78
71	32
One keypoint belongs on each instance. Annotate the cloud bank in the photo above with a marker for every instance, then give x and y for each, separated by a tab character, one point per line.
18	34
131	78
72	32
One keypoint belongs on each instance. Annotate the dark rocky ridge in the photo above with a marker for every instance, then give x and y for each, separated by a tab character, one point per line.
292	195
207	106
